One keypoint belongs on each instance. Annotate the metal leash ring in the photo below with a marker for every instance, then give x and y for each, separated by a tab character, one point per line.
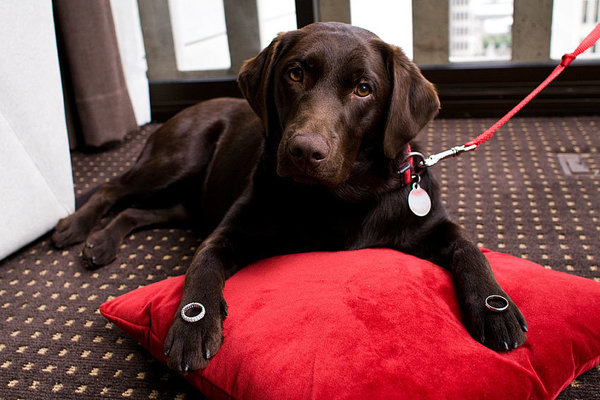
191	306
419	166
493	308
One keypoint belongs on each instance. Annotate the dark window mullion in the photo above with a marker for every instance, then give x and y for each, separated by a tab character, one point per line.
307	12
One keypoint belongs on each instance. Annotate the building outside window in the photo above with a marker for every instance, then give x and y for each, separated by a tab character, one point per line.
480	30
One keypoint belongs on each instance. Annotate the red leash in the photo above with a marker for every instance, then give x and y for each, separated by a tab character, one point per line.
588	42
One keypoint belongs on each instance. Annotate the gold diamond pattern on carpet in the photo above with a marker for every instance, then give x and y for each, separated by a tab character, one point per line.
510	195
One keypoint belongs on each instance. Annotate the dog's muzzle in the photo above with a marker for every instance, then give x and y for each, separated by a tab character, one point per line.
307	151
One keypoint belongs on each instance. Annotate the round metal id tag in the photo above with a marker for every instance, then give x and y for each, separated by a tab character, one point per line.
419	201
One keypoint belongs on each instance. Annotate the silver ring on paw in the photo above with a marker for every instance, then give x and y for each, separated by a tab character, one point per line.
192	306
497	298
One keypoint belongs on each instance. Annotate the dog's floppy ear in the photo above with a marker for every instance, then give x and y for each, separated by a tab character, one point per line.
255	78
413	102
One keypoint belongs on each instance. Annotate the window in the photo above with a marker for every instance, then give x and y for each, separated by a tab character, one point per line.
275	16
571	22
200	32
480	30
391	20
199	35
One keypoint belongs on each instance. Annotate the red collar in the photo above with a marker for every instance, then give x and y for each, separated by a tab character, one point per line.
407	169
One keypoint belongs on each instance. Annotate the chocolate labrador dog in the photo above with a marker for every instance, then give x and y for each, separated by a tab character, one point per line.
310	162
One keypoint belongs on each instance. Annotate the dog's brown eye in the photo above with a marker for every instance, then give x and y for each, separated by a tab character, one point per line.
296	74
363	90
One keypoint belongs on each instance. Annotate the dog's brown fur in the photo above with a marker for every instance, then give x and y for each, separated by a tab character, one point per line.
316	170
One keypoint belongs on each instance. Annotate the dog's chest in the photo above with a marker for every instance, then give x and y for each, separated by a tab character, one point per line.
325	224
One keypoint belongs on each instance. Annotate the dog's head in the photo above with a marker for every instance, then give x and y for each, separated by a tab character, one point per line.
326	91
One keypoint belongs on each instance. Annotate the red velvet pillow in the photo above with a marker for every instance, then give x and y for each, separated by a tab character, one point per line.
375	324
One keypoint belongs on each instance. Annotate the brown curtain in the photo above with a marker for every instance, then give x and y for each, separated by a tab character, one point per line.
97	100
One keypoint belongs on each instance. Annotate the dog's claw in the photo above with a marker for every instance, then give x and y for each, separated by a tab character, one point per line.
505	346
524	327
208	354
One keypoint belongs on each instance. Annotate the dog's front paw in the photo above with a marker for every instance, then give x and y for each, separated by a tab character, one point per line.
499	325
68	231
190	345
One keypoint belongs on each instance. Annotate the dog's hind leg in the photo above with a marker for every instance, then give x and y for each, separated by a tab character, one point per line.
101	247
75	227
135	183
175	152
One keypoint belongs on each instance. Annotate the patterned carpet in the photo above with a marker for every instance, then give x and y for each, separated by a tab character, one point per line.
511	195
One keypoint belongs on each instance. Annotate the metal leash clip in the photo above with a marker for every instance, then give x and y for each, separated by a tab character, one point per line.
435	158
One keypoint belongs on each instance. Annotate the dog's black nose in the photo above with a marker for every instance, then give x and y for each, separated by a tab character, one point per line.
308	150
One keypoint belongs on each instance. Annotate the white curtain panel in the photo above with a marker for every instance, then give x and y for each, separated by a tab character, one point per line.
36	187
133	55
